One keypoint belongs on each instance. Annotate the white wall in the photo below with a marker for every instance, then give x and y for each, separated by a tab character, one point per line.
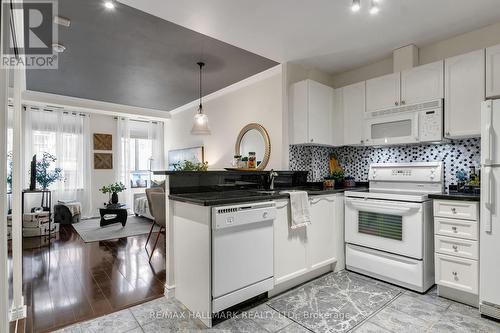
474	40
106	125
260	102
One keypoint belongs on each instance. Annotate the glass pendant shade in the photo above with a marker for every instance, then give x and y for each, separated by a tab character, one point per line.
200	125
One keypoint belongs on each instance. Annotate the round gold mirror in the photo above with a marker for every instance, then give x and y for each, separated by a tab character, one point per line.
253	138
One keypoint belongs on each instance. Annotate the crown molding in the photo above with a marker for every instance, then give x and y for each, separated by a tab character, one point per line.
229	89
91	106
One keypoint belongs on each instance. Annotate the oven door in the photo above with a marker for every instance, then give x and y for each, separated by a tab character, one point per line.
391	226
392	129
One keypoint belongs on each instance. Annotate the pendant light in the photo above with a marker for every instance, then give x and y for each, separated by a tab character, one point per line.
200	124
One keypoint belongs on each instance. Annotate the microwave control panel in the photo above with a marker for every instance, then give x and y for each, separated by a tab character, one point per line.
431	125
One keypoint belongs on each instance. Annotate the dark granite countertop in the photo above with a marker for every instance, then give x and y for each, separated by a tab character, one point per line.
240	196
220	172
459	196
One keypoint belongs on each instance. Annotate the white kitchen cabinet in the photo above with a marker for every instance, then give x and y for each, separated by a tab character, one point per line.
321	232
383	92
337	121
306	249
353	109
290	258
493	71
312	104
464	92
456	247
423	83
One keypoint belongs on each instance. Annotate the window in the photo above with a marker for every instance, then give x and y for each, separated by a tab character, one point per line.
140	159
140	154
62	135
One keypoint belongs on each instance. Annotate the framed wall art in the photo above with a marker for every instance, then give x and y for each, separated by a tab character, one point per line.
103	161
103	141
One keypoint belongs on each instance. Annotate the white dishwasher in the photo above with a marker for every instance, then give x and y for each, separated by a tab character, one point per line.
242	252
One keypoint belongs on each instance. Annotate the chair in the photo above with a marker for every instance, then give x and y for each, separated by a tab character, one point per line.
156	201
63	215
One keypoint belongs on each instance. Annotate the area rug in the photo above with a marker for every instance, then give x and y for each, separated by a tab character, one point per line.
90	231
336	302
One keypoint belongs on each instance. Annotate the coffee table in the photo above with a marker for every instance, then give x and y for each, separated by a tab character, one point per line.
113	213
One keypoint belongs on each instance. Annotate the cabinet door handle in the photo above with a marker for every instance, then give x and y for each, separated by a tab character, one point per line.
454	229
455	247
403	102
396	103
447	133
454	210
312	140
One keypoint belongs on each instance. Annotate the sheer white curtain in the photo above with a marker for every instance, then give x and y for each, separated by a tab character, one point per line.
155	135
66	135
122	159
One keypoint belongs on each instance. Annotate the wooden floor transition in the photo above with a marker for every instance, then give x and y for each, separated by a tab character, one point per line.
74	281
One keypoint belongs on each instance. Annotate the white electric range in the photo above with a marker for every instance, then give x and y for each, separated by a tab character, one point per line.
389	228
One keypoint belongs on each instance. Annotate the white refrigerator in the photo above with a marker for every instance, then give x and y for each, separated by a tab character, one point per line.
489	236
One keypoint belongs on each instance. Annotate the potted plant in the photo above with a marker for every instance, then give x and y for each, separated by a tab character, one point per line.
338	177
113	190
44	176
190	166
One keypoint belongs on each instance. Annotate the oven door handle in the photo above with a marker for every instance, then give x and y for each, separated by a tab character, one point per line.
385	208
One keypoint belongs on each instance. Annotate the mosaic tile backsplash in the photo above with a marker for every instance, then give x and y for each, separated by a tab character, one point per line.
456	155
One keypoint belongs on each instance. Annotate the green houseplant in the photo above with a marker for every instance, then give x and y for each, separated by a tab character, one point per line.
190	166
113	190
338	176
44	175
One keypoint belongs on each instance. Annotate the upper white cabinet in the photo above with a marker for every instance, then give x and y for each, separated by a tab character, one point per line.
422	83
337	121
493	71
464	92
352	101
312	104
412	86
383	92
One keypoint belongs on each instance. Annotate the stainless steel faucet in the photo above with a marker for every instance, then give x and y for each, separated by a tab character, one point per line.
272	174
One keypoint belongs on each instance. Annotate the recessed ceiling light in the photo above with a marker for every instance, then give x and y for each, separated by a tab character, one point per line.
109	4
374	9
356	5
59	48
63	21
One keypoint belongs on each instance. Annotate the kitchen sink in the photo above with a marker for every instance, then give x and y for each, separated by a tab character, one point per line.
270	192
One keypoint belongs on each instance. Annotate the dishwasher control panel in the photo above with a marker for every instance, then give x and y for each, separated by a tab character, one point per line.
241	214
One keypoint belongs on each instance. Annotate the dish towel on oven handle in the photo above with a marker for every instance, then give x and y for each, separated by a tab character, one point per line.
301	215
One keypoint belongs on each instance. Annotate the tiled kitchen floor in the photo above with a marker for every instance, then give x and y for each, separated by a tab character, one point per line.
336	302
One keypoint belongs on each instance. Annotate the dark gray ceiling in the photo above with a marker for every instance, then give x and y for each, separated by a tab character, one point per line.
129	57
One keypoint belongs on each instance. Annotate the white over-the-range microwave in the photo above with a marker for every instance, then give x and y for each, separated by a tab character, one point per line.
405	125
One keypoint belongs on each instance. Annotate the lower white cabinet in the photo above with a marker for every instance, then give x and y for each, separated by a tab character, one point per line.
302	250
456	246
457	273
321	233
290	258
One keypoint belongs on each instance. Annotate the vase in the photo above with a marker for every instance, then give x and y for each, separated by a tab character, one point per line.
114	198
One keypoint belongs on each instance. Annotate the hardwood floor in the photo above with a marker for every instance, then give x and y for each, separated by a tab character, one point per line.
73	281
